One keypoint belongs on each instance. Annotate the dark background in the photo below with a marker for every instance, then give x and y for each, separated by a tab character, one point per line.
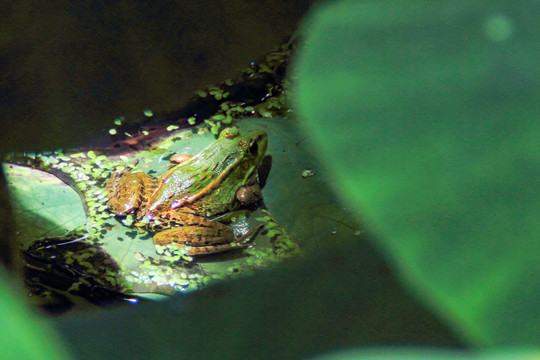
68	68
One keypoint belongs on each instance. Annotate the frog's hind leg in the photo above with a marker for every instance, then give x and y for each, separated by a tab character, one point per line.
204	240
195	235
239	243
127	191
213	249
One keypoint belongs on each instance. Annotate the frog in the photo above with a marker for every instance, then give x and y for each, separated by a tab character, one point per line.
186	203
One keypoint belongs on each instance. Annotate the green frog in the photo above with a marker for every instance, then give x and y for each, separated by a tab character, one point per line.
182	204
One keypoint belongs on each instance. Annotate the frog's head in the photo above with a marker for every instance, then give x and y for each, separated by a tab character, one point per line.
222	168
250	147
240	156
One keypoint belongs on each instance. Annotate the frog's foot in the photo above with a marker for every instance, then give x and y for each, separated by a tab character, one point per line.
205	240
249	194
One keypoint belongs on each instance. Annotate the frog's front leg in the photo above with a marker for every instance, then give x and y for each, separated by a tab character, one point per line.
249	194
202	235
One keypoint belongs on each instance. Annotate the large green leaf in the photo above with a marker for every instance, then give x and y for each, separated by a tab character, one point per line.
427	114
22	334
43	200
428	354
116	255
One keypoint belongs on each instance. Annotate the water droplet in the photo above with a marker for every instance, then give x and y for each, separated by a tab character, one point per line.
498	28
308	173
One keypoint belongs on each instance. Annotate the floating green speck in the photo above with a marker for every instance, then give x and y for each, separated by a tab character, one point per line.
148	113
112	131
117	121
265	68
218	117
128	221
191	120
172	127
272	233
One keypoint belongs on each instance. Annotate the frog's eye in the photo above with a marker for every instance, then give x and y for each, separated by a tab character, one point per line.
229	133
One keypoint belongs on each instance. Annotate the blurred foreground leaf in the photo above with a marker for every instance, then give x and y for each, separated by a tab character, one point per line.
427	114
428	354
22	335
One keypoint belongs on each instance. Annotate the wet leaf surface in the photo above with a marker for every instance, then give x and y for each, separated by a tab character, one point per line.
304	203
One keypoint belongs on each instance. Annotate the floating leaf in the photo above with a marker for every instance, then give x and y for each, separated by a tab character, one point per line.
41	199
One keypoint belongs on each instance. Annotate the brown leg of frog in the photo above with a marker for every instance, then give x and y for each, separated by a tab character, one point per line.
127	191
195	235
213	249
204	240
